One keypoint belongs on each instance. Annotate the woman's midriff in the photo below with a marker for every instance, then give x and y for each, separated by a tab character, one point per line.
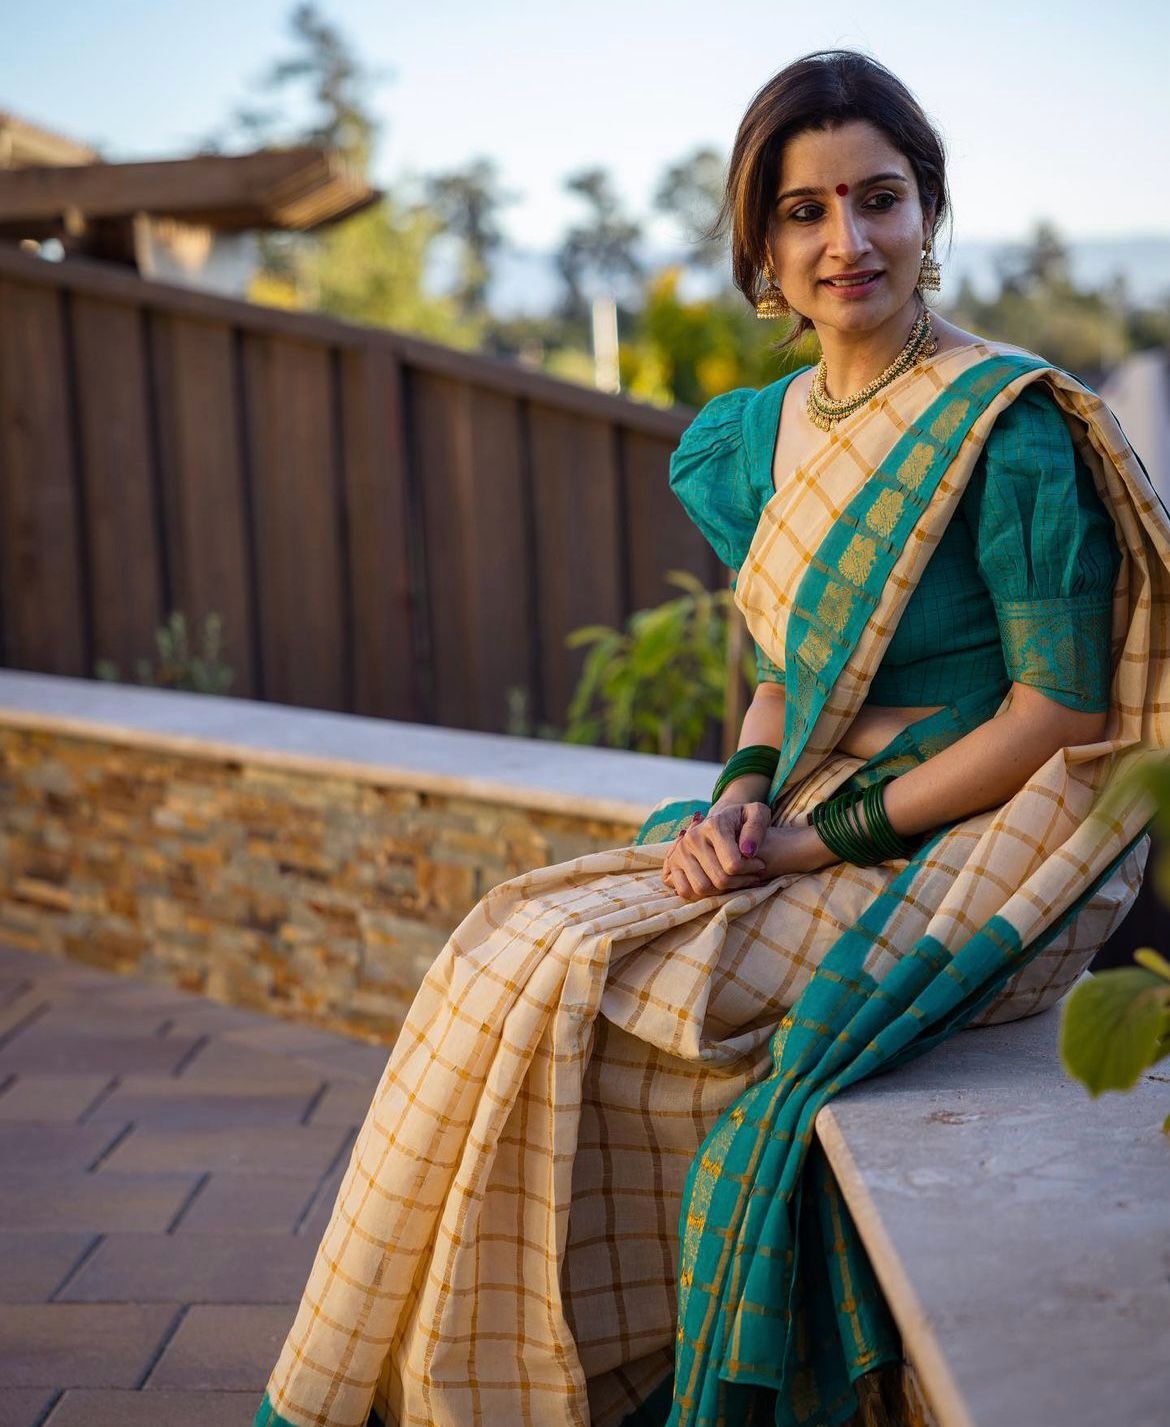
876	724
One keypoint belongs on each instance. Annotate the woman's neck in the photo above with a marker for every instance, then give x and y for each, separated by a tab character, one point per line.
854	359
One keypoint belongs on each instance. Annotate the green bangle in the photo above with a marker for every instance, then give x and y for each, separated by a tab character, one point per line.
855	828
837	829
759	758
879	820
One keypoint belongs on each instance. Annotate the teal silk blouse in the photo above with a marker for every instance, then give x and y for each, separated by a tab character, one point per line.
1020	587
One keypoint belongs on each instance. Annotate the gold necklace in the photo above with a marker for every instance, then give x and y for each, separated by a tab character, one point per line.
825	411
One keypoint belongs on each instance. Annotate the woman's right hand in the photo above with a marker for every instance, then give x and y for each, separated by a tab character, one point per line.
718	853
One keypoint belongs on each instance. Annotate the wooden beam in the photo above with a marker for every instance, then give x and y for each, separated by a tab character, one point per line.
290	188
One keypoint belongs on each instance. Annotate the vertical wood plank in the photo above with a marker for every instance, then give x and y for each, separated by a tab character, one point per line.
386	674
205	509
301	579
575	485
468	453
660	536
42	544
126	561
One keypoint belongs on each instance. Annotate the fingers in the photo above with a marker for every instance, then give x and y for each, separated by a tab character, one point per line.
757	819
697	872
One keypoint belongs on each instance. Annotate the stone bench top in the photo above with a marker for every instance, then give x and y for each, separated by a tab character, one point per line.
605	783
1020	1229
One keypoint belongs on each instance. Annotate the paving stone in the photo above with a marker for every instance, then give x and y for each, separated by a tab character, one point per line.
317	1220
221	1060
53	1148
174	1102
192	1268
47	1098
84	1407
345	1103
357	1061
248	1204
299	1150
288	1038
23	1406
81	1344
99	1202
57	1049
218	1346
23	1009
35	1263
102	1015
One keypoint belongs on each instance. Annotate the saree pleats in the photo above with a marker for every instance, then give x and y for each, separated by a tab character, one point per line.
587	1188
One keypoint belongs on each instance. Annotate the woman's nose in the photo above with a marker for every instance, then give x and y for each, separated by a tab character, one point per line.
847	236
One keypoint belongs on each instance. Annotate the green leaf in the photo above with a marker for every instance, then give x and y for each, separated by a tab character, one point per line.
1153	961
1113	1026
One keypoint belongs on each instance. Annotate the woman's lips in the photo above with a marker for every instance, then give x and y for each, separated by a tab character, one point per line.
854	289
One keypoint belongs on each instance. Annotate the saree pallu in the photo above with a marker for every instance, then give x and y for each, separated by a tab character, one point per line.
586	1189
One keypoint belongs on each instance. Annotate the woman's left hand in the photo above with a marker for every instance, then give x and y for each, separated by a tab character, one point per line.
784	851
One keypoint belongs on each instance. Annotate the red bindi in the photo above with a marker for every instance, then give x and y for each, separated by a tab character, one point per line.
842	189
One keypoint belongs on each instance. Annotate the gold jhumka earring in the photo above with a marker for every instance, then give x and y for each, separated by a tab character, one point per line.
771	302
929	274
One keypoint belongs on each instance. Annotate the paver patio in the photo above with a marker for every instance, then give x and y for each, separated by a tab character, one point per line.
167	1166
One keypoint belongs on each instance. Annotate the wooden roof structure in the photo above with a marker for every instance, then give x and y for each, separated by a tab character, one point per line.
296	188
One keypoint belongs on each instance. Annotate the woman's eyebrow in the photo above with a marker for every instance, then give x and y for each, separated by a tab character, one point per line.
815	192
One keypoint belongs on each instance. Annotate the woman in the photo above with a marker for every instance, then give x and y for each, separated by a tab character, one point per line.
586	1189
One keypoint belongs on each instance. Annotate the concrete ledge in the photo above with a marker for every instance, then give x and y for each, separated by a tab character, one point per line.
1019	1229
603	783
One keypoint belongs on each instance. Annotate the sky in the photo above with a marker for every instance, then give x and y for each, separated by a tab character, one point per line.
1056	111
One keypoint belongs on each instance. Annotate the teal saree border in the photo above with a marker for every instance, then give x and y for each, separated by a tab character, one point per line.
843	584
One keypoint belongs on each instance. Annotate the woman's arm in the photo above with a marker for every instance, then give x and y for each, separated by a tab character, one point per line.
762	723
981	770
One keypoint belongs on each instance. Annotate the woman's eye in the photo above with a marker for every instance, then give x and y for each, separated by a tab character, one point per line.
815	207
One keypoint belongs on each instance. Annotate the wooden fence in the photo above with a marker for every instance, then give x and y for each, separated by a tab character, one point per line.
387	526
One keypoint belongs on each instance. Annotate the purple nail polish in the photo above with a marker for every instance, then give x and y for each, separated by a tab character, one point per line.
749	849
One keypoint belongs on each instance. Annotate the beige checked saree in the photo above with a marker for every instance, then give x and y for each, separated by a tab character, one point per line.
585	1190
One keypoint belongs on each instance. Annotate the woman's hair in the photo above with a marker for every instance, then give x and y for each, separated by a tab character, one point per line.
817	91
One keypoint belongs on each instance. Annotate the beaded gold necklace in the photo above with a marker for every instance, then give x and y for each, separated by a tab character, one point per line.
825	411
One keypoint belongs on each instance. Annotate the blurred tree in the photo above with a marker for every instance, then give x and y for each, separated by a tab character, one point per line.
468	201
338	84
690	351
1039	306
603	247
689	192
370	269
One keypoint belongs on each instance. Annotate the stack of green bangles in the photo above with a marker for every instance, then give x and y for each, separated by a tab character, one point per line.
755	758
855	828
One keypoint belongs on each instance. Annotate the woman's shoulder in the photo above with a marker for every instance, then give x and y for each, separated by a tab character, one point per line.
708	474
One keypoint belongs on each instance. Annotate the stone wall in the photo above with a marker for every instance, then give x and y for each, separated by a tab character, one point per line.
322	897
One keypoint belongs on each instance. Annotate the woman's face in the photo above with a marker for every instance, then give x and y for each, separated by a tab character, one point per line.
862	212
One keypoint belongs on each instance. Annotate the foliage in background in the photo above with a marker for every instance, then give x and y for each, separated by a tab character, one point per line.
371	267
179	666
656	686
1116	1024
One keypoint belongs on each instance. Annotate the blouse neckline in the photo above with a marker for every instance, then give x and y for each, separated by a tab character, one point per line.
769	417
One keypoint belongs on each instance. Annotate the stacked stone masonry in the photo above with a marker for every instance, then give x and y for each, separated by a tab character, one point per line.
322	898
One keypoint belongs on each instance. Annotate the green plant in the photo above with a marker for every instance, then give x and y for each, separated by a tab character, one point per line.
1116	1024
519	718
657	685
179	667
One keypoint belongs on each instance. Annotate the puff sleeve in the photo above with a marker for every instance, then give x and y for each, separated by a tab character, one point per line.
1046	550
708	474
